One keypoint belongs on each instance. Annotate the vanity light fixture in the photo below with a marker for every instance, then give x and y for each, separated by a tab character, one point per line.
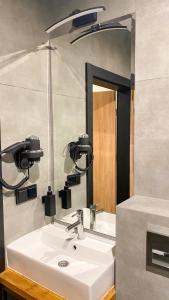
96	29
74	15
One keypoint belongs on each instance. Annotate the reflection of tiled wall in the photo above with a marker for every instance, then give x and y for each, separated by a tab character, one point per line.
110	51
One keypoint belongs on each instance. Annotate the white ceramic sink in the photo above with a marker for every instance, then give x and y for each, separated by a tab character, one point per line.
90	270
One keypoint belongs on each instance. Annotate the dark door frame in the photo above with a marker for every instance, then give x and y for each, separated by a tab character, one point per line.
122	85
2	242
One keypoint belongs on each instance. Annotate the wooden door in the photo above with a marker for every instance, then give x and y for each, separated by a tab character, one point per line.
104	149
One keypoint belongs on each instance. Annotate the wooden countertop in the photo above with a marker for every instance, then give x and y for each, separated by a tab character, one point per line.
30	290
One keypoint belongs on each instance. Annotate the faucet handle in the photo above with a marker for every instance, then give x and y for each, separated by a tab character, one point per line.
79	214
79	211
74	215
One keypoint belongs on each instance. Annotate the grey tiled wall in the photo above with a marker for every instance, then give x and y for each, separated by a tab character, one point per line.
151	115
23	113
23	103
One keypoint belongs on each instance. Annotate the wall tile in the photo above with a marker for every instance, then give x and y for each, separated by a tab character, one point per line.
24	113
151	8
27	69
152	45
151	138
23	218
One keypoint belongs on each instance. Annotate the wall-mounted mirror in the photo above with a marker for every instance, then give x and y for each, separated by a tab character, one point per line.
93	98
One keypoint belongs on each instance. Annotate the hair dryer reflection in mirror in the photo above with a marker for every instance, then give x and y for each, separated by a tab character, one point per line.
82	147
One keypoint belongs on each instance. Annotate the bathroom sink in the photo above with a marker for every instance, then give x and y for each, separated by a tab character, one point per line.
75	269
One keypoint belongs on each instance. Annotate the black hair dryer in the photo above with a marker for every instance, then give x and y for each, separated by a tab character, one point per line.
30	153
79	148
25	153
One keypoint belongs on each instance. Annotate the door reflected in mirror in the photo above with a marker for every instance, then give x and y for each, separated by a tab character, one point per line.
104	148
108	125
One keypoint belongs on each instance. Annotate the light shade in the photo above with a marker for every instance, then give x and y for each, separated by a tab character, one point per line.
96	29
74	15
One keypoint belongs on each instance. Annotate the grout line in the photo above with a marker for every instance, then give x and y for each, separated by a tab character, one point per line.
155	78
66	95
50	122
41	91
24	88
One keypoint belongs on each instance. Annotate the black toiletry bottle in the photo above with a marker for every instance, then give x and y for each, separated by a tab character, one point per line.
65	195
50	203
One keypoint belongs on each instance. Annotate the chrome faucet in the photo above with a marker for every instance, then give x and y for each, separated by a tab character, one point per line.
78	225
93	213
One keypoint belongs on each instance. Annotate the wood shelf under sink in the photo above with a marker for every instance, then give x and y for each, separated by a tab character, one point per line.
27	289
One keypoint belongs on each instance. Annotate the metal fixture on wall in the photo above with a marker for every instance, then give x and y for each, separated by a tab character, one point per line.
96	29
77	14
25	153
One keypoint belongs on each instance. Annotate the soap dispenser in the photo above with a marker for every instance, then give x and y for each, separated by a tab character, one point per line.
65	196
50	203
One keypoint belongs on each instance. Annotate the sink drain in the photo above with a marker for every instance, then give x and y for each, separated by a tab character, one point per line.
63	263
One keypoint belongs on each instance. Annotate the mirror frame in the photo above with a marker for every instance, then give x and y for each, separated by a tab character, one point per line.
2	239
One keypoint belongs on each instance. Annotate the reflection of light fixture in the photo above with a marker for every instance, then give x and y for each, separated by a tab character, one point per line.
97	28
74	15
